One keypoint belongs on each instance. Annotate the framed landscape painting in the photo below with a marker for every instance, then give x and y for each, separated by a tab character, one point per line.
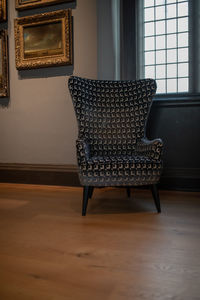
4	84
27	4
44	40
3	11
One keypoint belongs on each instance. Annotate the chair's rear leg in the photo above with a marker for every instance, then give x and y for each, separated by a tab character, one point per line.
85	199
91	189
128	190
156	197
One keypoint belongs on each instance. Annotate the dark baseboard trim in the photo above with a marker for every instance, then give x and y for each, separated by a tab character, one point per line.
185	179
65	175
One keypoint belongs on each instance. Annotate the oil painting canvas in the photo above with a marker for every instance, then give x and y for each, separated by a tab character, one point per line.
43	40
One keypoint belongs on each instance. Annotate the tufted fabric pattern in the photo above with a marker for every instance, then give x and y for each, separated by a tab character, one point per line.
111	147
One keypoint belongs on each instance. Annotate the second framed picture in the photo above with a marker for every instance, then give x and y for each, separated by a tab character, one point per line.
44	40
4	82
3	11
27	4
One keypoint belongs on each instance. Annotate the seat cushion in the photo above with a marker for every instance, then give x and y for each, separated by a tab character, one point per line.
120	170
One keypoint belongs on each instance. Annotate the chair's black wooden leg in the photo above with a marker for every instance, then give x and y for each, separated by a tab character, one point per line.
91	189
155	194
85	199
128	190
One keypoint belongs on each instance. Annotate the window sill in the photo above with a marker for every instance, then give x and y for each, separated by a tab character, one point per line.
184	99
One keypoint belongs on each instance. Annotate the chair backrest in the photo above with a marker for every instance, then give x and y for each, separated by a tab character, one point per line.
111	115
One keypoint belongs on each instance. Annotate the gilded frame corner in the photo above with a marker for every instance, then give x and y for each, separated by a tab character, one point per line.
44	60
3	10
29	4
4	78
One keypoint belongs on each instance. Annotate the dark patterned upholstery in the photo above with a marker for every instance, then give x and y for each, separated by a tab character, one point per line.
111	148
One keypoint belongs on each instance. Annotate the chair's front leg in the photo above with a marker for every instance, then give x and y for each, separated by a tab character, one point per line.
91	189
128	190
156	197
85	199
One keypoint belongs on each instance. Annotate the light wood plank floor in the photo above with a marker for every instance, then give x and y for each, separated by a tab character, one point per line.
122	249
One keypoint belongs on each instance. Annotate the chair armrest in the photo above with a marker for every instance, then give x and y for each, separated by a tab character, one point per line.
152	149
83	151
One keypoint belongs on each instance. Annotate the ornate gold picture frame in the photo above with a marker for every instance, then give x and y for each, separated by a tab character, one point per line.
3	11
27	4
4	83
44	40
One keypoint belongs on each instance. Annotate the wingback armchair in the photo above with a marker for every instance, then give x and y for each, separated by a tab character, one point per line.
112	149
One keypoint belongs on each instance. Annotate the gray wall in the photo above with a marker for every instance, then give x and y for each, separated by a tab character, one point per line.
38	124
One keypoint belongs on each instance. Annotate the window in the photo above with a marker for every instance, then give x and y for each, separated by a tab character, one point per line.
166	44
161	39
